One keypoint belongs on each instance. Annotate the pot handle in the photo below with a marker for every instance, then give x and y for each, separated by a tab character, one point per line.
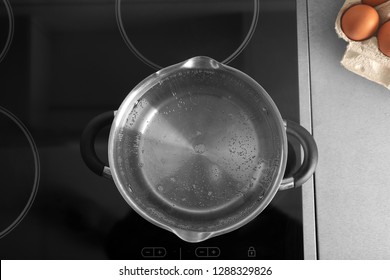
308	166
87	143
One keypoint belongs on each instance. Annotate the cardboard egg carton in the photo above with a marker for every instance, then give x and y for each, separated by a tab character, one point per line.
363	57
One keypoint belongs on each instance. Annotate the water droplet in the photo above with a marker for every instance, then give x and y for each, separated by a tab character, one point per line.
239	194
199	149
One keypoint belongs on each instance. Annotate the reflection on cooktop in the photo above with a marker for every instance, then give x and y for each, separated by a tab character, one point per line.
264	238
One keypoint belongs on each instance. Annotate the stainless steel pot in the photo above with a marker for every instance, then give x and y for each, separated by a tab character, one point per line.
198	148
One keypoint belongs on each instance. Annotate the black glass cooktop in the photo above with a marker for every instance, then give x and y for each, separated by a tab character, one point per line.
64	62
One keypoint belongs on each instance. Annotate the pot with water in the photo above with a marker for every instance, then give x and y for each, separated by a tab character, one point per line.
198	148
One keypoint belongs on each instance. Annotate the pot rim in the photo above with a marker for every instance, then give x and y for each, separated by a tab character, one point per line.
137	93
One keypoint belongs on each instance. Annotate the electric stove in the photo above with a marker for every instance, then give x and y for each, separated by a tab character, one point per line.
64	62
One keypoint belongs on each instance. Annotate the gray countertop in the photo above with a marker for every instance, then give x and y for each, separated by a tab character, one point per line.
348	210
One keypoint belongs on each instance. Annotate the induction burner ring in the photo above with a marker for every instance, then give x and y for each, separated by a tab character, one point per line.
155	66
10	30
36	176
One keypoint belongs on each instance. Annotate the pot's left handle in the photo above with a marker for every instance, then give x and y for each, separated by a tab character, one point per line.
87	143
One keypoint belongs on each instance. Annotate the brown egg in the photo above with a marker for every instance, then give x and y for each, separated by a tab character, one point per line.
360	22
384	38
373	2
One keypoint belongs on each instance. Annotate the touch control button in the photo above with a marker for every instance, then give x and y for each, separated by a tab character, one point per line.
159	252
201	252
213	252
153	252
147	252
207	252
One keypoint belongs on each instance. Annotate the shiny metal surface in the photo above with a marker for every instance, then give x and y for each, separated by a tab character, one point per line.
287	184
305	113
107	172
198	148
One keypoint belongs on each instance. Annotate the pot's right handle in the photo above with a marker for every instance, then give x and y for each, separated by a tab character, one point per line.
87	143
310	159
